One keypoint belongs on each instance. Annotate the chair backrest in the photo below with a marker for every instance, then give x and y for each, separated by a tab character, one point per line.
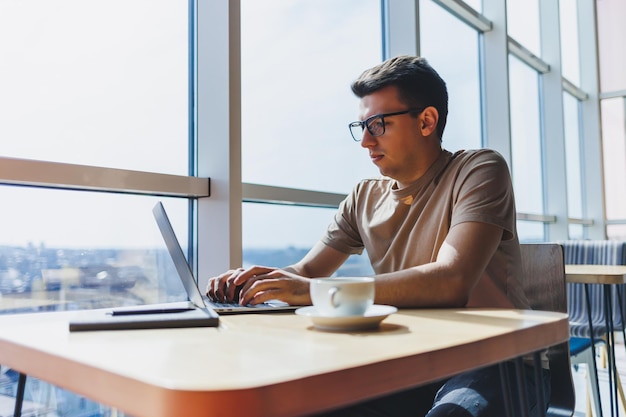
543	267
594	252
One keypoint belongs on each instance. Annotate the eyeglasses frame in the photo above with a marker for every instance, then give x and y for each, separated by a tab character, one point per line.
365	123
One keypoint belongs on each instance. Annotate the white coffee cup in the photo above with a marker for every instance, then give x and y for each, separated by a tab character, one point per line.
342	296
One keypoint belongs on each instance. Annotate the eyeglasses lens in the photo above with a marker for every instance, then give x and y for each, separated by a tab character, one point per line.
356	129
376	126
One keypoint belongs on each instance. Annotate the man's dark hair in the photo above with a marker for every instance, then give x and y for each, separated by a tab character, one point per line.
417	82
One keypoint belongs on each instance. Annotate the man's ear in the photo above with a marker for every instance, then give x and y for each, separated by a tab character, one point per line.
428	121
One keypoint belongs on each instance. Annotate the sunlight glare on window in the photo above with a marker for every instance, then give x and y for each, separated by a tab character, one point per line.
526	145
523	23
298	60
95	83
437	27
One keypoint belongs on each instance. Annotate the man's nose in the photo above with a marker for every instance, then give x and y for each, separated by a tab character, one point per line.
367	139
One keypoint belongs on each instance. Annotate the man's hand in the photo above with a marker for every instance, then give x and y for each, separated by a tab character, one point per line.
258	284
222	289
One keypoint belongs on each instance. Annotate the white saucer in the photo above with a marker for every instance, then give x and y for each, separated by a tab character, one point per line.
370	320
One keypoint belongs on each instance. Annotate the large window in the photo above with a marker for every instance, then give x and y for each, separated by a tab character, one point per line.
570	51
91	94
437	27
611	33
614	146
574	164
84	83
612	54
298	61
526	147
296	106
522	19
281	235
74	91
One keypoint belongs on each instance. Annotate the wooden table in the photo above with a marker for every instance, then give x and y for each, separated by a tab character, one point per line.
596	274
267	365
608	276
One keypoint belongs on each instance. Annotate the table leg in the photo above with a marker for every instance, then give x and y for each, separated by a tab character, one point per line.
19	396
521	385
513	373
608	304
620	303
506	389
541	401
593	345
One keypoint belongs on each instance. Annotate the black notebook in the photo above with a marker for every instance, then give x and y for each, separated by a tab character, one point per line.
154	316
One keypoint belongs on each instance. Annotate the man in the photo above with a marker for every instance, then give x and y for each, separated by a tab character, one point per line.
439	229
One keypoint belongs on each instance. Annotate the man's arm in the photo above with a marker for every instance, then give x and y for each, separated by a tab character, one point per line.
320	261
449	280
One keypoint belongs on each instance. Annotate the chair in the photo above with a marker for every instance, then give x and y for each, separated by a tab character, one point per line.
596	252
544	285
582	352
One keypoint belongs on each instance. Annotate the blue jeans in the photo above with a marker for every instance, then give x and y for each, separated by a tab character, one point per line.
475	393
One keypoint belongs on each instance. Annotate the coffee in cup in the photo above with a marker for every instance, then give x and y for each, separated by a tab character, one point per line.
342	296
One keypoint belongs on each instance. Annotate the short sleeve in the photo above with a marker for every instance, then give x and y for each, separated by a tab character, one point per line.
483	192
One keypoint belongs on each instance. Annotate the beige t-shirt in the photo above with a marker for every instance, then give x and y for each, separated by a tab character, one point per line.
402	228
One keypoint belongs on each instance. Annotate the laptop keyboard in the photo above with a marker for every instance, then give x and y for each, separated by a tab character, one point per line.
225	305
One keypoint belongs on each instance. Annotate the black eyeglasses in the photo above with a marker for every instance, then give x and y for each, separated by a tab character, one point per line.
376	124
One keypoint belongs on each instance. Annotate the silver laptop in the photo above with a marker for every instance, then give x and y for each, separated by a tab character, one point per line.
189	282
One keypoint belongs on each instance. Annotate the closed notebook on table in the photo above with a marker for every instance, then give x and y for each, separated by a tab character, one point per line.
157	316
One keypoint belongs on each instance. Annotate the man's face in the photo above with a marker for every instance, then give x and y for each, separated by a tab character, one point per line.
396	152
